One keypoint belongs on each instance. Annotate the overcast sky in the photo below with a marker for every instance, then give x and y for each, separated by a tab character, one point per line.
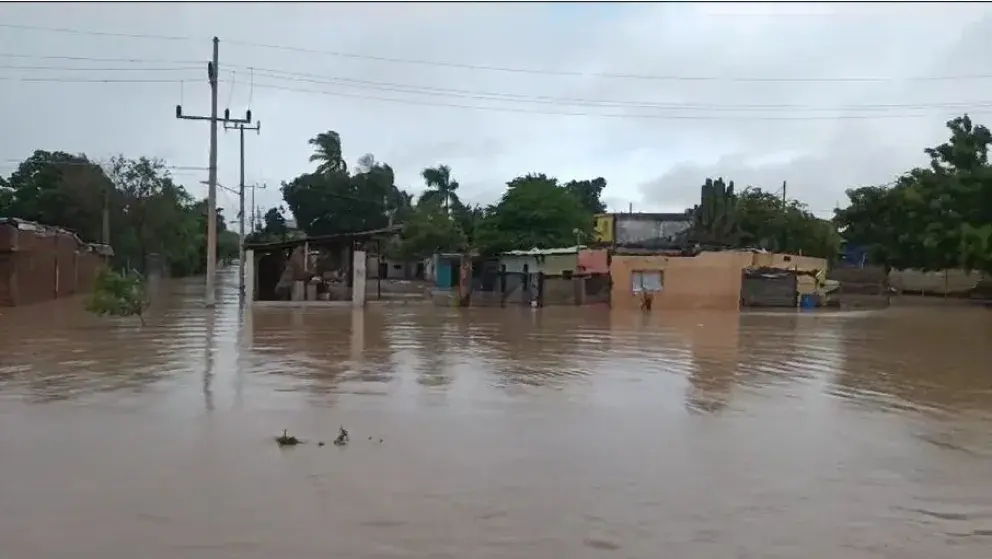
777	79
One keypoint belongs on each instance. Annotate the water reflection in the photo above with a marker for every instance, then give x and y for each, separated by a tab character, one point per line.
919	358
514	433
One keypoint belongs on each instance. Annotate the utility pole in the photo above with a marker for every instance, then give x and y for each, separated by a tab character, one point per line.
241	208
253	210
785	231
212	71
106	214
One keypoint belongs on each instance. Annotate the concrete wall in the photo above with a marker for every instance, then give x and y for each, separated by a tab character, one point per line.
944	282
6	277
603	229
516	263
633	230
395	269
788	261
593	261
551	264
44	264
711	280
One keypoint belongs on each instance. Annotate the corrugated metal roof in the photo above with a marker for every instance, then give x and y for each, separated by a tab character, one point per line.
544	251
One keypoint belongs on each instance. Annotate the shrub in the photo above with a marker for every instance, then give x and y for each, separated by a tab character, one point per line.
118	294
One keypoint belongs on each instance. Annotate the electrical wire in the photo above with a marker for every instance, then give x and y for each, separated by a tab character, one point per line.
366	97
48	79
92	163
233	82
105	69
496	96
540	99
974	108
94	33
98	59
504	69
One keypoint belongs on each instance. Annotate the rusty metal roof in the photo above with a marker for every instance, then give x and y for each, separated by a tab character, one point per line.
325	239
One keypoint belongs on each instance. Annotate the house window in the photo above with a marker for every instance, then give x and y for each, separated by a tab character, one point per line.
647	281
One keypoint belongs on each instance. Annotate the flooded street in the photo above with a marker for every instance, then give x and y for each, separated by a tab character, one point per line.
506	433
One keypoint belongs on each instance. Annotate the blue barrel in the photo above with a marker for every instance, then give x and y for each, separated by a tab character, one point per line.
807	301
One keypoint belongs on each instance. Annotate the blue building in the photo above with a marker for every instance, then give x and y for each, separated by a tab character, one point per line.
852	255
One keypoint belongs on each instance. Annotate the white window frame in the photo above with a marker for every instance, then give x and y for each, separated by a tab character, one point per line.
637	283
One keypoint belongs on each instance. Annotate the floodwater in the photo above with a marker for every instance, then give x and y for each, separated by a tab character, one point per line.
506	433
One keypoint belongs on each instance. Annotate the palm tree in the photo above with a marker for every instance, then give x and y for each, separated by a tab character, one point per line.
440	187
327	152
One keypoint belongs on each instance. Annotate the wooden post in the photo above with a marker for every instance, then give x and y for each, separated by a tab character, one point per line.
465	281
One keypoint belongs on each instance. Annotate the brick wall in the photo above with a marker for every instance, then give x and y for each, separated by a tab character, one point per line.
6	269
47	265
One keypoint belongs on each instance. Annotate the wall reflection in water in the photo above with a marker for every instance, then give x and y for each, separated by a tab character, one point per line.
548	433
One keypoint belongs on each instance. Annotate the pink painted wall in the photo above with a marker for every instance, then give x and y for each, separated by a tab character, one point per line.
593	261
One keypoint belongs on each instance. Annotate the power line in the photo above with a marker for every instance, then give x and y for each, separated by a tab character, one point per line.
486	95
513	97
94	33
97	59
974	108
97	164
604	115
482	95
104	69
504	69
47	79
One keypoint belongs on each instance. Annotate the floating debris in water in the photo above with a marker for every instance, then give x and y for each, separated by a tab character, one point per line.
287	440
342	437
320	443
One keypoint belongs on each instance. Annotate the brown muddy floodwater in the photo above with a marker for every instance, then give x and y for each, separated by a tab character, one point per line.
507	433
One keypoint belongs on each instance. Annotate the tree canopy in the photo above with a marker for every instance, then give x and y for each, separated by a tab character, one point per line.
148	211
933	217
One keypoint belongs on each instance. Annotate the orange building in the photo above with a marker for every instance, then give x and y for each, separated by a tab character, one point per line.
709	280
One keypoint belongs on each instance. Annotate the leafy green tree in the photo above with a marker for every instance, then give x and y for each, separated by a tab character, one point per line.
534	212
59	188
6	197
429	230
932	218
716	217
768	222
118	294
468	219
331	200
588	192
275	223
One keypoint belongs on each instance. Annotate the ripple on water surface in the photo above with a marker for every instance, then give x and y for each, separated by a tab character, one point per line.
575	432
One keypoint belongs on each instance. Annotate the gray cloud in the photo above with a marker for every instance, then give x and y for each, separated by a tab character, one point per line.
757	133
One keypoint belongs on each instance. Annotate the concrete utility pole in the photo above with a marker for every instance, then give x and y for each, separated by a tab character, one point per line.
212	71
785	234
241	206
106	215
253	209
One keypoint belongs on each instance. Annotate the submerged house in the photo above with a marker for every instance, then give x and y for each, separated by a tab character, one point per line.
718	280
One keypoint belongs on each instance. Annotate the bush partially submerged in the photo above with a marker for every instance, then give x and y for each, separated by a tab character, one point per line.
118	294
